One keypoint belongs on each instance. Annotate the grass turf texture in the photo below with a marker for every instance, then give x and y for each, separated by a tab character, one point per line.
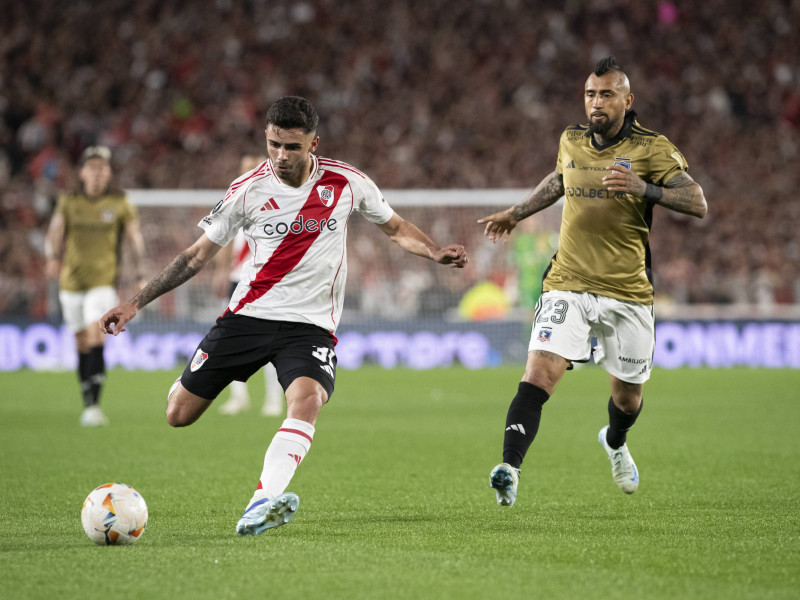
395	500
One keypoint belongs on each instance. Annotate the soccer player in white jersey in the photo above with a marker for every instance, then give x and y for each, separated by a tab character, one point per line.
229	265
293	210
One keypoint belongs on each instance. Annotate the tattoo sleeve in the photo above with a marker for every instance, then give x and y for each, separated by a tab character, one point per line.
683	195
546	193
181	269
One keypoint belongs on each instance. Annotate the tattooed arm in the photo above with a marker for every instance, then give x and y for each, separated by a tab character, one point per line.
182	268
684	195
500	224
681	193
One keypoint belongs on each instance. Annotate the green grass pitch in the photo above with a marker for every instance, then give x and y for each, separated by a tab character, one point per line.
394	495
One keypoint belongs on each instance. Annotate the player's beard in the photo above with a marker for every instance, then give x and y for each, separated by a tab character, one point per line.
602	127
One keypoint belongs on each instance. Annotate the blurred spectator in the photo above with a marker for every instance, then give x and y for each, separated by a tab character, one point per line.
428	94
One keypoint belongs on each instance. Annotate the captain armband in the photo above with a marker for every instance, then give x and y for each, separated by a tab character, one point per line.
653	193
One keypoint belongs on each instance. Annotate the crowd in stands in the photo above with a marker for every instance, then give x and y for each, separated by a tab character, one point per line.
419	94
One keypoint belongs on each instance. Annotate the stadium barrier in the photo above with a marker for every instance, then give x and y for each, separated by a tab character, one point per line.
416	344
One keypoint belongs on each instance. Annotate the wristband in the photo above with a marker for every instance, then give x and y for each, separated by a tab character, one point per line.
653	193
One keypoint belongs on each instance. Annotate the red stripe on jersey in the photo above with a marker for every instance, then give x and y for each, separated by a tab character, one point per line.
298	432
294	246
329	162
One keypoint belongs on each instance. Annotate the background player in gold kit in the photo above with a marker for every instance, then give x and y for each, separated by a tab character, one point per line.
611	173
83	244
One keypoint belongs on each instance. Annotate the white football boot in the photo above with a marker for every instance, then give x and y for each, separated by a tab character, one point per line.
92	416
265	514
504	480
624	470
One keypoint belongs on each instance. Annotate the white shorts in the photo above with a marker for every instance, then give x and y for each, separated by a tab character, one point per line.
81	309
565	323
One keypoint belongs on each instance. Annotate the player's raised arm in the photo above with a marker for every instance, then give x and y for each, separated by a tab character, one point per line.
182	268
500	224
409	237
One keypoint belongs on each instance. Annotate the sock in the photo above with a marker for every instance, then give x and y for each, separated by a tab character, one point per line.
83	377
619	423
273	395
96	371
287	449
522	422
239	390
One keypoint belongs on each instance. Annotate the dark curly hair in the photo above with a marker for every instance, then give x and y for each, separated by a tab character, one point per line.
293	112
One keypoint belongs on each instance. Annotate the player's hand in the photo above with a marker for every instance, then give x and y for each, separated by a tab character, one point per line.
622	179
113	321
453	255
499	225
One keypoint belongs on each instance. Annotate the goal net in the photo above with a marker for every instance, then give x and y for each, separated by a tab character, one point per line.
400	310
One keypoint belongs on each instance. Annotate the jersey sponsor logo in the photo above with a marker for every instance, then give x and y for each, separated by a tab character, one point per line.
576	192
325	194
292	248
623	162
575	135
217	207
570	165
544	335
199	359
108	216
300	225
641	141
270	205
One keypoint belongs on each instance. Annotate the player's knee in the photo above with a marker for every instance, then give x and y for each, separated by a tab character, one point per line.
179	411
306	406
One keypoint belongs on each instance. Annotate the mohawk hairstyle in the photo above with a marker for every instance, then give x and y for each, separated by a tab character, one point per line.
607	65
293	112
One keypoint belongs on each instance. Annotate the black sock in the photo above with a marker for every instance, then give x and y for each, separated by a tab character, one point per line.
83	377
96	371
522	422
619	423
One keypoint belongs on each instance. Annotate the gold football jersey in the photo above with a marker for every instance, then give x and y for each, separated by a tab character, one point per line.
94	231
603	243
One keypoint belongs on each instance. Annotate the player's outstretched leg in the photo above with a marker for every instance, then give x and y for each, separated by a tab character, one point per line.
266	514
504	480
624	470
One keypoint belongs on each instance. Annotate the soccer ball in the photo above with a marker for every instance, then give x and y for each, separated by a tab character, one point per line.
114	513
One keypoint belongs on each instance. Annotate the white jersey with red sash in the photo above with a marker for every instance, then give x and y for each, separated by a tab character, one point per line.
297	238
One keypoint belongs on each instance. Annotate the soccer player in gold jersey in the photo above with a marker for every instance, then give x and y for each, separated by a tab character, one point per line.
611	173
82	248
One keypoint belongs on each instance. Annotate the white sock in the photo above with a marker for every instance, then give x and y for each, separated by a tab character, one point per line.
239	390
274	393
287	449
